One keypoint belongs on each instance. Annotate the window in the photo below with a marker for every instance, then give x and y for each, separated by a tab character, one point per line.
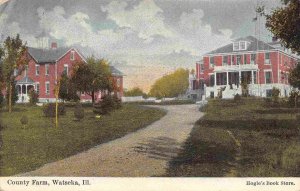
72	55
212	61
201	68
66	69
37	70
47	69
47	84
232	59
236	46
267	58
242	45
118	82
225	60
26	70
253	59
37	88
268	76
238	59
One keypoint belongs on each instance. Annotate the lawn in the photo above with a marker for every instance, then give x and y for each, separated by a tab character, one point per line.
25	149
245	139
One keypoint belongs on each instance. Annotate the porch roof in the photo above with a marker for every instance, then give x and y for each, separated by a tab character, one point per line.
25	80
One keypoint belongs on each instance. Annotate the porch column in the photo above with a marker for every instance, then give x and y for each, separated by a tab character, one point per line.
252	77
21	90
227	78
240	76
26	89
215	75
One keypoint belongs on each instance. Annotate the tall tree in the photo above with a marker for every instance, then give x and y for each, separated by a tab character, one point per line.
284	23
92	76
14	58
171	85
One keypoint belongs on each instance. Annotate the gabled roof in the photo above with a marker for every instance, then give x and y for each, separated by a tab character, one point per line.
115	72
255	45
47	55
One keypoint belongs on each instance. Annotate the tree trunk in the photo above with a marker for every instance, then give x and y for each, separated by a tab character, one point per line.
93	97
10	98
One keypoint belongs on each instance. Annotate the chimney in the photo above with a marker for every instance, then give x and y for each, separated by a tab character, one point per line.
53	45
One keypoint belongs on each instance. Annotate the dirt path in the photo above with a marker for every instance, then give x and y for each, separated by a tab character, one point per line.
143	153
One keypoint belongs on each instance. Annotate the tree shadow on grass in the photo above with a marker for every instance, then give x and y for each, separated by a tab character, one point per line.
162	148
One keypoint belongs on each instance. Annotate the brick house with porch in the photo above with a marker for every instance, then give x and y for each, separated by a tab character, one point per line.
259	64
47	65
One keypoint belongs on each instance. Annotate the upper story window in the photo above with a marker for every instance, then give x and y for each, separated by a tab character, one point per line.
212	61
225	60
253	59
47	69
241	45
72	55
267	58
37	69
26	70
245	59
66	69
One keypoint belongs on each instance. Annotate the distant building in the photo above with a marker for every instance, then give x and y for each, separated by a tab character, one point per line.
262	65
47	65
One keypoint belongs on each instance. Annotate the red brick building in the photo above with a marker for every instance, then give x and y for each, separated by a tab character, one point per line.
45	68
261	65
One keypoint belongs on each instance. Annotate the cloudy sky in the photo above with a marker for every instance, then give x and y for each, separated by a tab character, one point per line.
145	39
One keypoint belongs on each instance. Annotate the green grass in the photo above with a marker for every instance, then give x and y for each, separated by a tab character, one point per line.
269	138
25	149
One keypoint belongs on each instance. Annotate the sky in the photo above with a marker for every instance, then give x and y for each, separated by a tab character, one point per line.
144	39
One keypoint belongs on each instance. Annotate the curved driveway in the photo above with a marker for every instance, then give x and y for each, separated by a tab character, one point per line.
143	153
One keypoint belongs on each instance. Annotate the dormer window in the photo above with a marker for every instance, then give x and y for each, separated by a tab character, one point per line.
241	45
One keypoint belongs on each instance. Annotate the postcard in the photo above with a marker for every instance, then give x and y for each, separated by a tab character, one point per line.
177	95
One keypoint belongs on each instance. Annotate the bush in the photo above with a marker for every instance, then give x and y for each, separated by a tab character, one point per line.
237	97
275	95
24	120
33	97
294	98
49	109
108	104
79	112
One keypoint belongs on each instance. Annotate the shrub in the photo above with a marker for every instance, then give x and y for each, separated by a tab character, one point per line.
49	109
79	112
294	98
275	94
237	97
33	97
107	104
24	120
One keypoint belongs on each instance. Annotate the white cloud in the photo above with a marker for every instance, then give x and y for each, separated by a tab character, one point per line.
146	18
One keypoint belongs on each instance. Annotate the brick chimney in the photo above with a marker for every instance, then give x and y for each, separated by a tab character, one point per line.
54	45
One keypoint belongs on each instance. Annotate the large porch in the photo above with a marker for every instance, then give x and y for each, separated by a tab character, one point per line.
23	88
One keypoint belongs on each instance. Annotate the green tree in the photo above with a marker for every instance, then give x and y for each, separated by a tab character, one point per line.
284	23
13	58
171	85
67	91
136	91
92	76
294	79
